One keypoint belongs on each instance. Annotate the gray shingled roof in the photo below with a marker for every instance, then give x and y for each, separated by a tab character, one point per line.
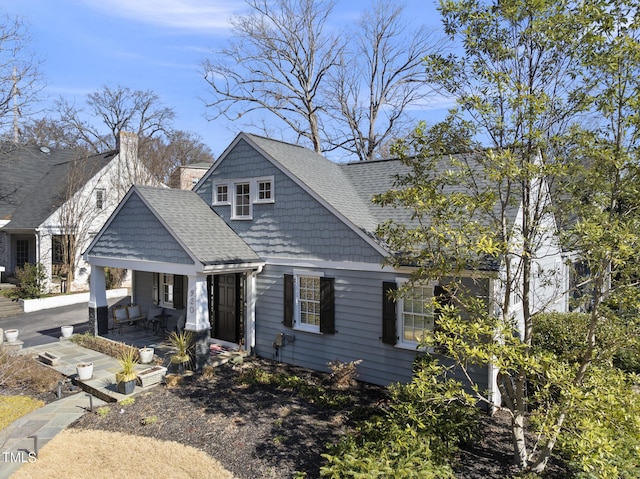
33	181
374	177
323	177
194	224
22	170
370	178
350	187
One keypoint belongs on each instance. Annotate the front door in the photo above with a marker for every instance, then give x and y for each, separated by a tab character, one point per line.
226	315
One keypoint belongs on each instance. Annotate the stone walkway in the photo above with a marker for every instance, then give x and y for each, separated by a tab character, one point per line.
20	440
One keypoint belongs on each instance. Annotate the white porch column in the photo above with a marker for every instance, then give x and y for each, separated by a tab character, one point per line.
98	306
197	310
197	317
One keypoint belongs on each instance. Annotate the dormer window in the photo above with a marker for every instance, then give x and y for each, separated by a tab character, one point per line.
242	194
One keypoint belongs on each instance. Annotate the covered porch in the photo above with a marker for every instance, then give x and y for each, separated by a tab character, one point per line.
188	269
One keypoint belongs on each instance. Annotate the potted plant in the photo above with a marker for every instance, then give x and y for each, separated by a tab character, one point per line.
85	371
66	331
181	343
146	355
11	335
126	377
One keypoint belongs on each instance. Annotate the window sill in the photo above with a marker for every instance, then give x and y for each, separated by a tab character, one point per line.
413	347
307	330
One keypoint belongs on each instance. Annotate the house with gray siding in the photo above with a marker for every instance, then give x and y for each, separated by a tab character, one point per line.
275	251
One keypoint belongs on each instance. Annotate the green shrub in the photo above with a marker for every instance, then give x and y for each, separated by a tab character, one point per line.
601	433
31	279
416	436
617	339
381	449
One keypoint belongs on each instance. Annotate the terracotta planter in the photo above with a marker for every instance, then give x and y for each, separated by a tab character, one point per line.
85	371
146	355
66	331
11	335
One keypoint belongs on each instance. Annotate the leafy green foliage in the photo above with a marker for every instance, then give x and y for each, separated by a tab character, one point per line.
562	334
31	279
602	439
601	436
417	434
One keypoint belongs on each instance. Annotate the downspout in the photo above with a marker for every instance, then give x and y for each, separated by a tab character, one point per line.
38	258
37	245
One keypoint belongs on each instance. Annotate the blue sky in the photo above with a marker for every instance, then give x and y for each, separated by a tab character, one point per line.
156	45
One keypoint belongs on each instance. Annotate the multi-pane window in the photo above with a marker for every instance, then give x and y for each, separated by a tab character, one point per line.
100	198
309	300
222	194
57	249
242	201
264	191
417	313
167	289
22	252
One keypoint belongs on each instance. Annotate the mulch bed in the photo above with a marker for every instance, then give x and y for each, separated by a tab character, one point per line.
262	431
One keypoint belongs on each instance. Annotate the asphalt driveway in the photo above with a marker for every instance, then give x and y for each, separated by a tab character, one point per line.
42	327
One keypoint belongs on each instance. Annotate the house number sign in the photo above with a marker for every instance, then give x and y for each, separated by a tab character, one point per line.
192	300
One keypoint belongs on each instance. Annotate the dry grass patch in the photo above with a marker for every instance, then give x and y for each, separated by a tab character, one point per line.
14	407
109	454
23	371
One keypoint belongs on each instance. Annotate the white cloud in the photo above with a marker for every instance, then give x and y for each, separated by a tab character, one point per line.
197	15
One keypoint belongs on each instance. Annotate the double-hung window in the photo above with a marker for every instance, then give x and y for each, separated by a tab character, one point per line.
406	320
416	314
309	302
167	290
242	201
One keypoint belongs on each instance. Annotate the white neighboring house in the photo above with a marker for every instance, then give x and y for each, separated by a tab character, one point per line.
48	196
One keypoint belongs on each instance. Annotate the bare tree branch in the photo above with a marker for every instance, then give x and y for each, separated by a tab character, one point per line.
383	74
278	63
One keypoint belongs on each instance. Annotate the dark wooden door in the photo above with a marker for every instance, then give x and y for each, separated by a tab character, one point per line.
226	320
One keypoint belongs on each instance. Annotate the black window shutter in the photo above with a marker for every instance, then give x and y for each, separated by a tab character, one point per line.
178	291
327	306
288	300
389	334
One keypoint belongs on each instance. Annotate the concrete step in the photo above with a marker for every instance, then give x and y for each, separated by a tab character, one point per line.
9	308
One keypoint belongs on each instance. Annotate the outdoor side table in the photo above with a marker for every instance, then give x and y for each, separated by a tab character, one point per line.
154	324
163	321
